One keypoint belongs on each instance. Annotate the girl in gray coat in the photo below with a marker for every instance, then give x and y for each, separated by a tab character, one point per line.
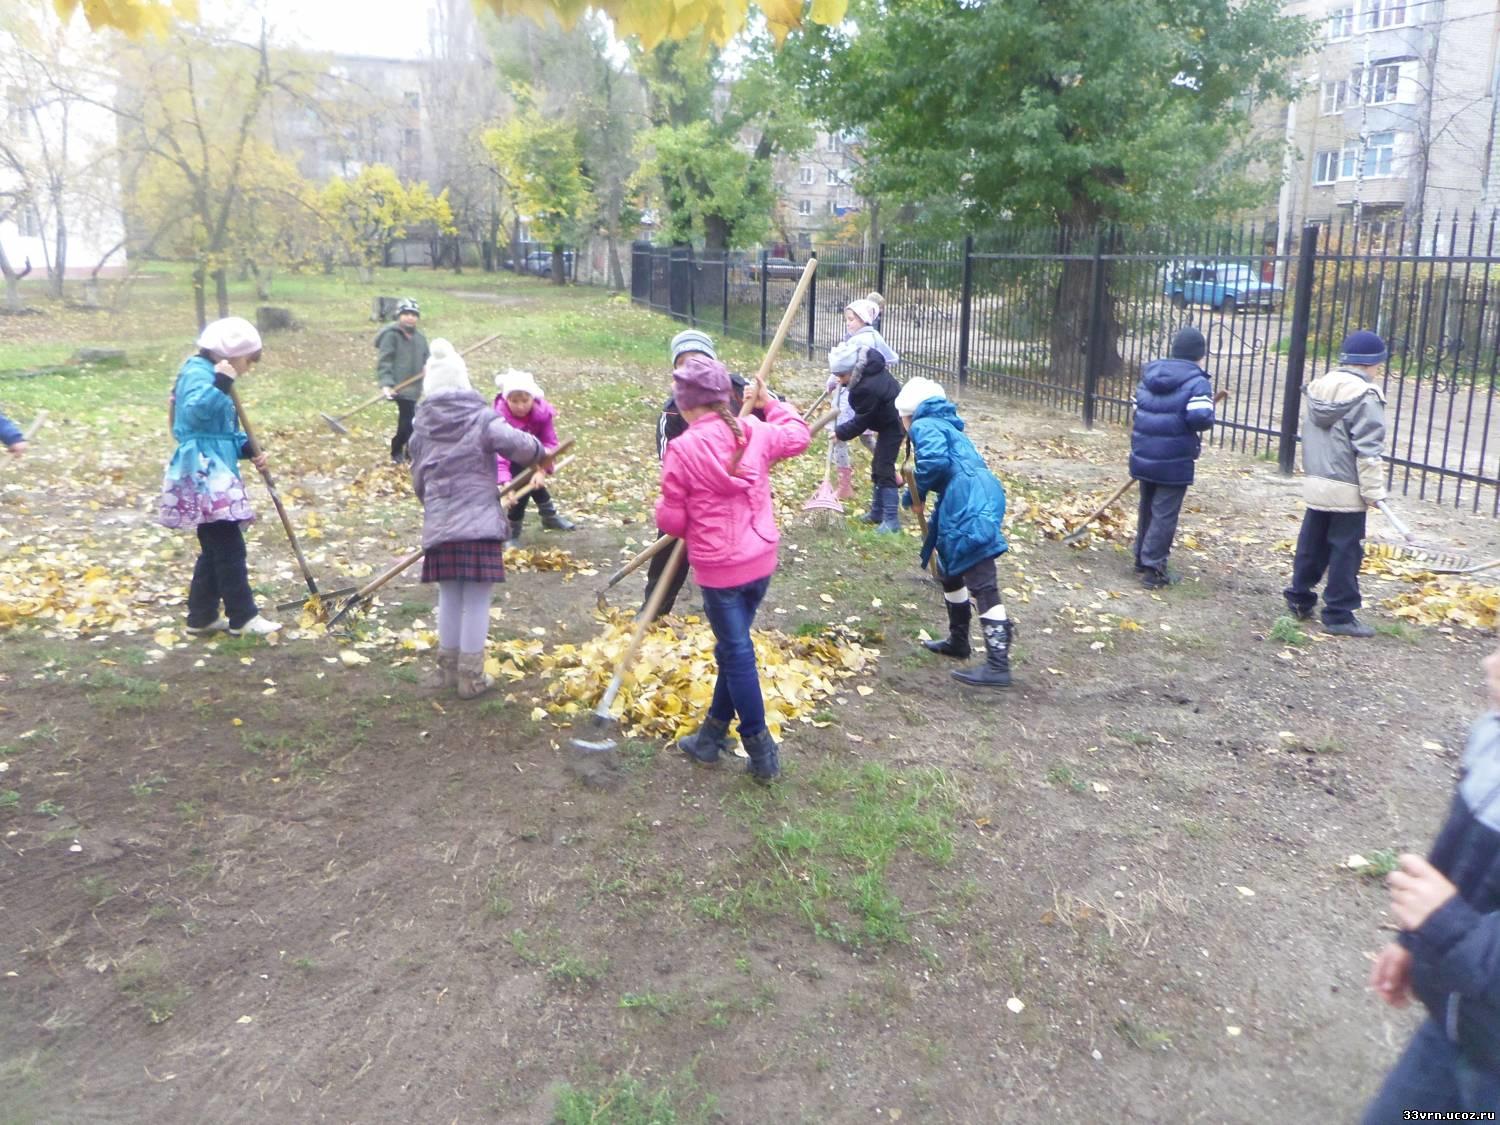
456	438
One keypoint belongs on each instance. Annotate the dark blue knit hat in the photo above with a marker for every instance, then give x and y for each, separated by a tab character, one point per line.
1363	349
1189	344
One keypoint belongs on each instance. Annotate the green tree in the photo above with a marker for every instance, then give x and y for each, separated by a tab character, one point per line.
375	208
538	156
1066	112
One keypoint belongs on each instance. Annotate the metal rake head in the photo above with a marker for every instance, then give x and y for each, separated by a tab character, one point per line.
338	427
1446	560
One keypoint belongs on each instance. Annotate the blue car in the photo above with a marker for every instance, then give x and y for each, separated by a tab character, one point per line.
1226	286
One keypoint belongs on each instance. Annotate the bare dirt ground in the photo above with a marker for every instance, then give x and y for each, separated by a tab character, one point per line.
247	883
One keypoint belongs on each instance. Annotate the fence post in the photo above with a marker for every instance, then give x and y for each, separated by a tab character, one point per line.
964	315
1094	358
1296	358
763	340
880	270
812	308
724	274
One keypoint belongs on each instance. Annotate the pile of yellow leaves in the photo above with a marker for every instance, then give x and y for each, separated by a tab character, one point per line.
380	482
67	591
529	559
668	691
1057	518
1439	602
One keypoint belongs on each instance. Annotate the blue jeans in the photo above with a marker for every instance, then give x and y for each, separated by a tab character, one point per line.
731	612
1432	1075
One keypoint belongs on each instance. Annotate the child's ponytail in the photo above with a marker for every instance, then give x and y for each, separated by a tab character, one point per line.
723	411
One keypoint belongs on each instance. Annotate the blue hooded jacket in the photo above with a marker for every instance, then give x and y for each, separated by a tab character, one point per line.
1173	406
964	525
10	433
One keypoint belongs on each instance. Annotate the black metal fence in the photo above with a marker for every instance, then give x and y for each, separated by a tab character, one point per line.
1068	318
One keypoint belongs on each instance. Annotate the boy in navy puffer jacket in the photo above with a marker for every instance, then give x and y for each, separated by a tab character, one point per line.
1448	909
1174	404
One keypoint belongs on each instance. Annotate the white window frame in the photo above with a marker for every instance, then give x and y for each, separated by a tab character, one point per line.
1340	24
1376	14
833	178
1326	166
832	144
805	174
1381	85
1377	155
804	206
1334	97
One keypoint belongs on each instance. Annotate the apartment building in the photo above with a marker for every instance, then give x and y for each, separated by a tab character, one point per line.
1398	112
815	189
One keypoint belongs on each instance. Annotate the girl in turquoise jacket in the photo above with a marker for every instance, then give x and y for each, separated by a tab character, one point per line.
203	489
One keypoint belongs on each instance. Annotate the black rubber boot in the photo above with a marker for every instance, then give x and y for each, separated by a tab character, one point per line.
876	512
551	520
765	757
957	642
890	511
995	671
707	742
515	528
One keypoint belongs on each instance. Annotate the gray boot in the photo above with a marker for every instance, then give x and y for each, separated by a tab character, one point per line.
890	510
765	756
995	671
444	670
552	520
875	513
471	678
957	642
707	742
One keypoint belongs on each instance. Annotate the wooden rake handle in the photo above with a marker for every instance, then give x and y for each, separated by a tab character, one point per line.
286	522
417	378
509	489
1077	533
643	623
365	592
770	358
635	563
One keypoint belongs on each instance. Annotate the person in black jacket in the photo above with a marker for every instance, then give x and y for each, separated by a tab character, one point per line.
872	396
1448	951
1174	404
669	425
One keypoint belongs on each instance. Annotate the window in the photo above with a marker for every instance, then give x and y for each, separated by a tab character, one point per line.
804	206
833	177
1380	157
17	113
28	221
805	174
411	138
1382	83
1335	96
1326	166
1375	14
804	241
1341	23
833	142
413	99
833	207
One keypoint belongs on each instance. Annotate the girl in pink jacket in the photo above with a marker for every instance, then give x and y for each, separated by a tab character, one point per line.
716	496
521	404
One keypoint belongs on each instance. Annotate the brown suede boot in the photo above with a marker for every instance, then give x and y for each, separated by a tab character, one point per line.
443	672
471	678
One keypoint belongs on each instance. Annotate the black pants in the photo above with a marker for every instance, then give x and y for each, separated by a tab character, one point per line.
984	586
1328	542
406	411
220	575
543	500
656	571
887	446
1156	523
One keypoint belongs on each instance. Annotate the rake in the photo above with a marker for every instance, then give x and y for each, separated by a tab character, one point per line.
823	503
337	423
1413	550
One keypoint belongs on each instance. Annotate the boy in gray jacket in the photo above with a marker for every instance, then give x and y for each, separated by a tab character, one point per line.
1343	459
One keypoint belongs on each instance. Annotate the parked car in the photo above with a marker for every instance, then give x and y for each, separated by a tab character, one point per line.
777	269
1220	285
539	262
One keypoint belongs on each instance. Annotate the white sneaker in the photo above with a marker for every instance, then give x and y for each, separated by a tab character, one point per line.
219	626
257	626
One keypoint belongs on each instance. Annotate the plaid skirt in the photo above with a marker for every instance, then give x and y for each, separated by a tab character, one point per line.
473	560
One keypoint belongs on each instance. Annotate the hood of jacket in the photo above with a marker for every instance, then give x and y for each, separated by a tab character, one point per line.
1166	376
447	415
1330	397
939	410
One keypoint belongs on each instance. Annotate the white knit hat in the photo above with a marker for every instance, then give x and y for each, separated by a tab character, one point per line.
915	393
445	370
230	338
515	380
843	357
864	308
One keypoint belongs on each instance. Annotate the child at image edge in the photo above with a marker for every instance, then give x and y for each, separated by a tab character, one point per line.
722	510
1448	952
456	437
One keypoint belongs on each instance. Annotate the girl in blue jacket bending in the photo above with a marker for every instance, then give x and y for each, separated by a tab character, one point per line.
203	489
1174	404
964	529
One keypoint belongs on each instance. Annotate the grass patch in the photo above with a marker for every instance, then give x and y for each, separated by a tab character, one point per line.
1381	864
1398	630
563	966
657	1004
145	980
827	857
1064	776
1286	631
10	798
628	1101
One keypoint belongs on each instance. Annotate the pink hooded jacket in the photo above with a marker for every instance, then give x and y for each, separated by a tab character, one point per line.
727	521
538	424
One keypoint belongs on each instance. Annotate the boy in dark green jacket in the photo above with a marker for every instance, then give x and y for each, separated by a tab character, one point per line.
401	352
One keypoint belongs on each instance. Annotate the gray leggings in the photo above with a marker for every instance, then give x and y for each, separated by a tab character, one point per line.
463	614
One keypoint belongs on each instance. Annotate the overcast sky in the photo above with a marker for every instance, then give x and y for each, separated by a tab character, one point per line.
388	28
